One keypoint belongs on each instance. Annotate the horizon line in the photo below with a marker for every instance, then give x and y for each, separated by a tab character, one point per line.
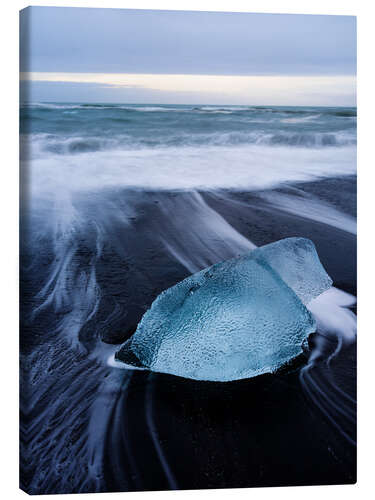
184	104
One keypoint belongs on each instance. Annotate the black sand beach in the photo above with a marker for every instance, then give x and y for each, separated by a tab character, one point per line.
148	431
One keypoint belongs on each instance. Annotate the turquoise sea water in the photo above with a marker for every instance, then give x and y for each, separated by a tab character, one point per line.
163	146
93	127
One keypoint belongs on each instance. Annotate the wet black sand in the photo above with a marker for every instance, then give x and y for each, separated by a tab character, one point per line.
165	432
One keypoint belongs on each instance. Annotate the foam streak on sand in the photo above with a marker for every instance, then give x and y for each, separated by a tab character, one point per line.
337	329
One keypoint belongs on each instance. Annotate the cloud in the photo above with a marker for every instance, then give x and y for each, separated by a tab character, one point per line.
155	56
183	42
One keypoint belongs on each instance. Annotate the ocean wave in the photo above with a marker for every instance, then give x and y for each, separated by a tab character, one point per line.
298	139
65	145
49	106
205	109
251	167
150	109
344	114
220	109
40	145
309	139
98	107
301	119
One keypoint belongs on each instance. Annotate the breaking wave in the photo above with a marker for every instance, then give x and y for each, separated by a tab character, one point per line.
60	144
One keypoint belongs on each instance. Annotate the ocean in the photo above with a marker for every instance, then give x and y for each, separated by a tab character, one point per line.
120	202
168	147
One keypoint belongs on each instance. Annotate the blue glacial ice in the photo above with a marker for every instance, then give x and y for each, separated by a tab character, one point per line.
236	319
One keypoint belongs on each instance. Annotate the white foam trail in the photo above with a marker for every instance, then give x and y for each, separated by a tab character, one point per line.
301	119
332	315
312	208
206	237
149	410
240	167
336	324
68	288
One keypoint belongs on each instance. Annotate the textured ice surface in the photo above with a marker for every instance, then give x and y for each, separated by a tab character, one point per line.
236	319
297	263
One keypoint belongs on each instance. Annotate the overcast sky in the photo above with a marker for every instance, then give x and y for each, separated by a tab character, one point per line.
77	54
